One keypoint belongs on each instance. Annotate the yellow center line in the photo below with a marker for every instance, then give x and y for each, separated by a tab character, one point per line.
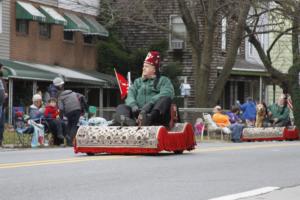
58	161
95	158
262	146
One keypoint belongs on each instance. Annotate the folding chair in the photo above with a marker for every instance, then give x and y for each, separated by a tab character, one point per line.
211	126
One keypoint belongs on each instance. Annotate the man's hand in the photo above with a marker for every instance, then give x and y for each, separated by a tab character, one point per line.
269	113
135	109
147	107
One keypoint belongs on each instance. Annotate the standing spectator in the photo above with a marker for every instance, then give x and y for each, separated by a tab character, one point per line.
249	111
3	95
69	106
53	89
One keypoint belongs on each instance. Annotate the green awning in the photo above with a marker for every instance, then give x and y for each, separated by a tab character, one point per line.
42	72
111	80
95	27
52	16
74	23
16	70
29	12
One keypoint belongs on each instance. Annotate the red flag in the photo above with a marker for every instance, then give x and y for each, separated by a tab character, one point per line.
123	84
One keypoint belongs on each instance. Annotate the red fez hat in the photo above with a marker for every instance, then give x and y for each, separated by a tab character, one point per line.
153	58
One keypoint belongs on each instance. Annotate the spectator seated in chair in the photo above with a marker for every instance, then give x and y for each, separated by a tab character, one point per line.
221	119
236	125
36	114
278	113
149	98
56	125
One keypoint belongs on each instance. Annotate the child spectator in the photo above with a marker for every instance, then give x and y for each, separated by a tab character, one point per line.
51	110
52	117
236	124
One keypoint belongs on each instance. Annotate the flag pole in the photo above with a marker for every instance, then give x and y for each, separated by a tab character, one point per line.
129	78
118	81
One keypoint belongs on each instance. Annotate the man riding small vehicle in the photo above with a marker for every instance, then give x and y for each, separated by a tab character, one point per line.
149	98
148	105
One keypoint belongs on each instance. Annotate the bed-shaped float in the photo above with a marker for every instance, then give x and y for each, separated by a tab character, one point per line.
134	139
270	133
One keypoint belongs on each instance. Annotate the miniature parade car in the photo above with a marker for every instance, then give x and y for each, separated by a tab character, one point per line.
270	133
135	139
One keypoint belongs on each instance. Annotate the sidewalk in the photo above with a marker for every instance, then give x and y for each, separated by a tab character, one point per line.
292	193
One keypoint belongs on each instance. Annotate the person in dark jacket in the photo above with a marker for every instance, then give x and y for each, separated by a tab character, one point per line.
3	96
69	106
53	89
149	98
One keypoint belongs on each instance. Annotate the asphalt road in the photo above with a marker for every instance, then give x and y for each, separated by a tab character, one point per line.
212	170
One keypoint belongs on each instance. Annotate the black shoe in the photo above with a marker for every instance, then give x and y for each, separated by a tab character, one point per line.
145	119
69	142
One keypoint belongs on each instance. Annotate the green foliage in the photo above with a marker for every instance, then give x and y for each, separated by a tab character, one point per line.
111	54
161	46
173	70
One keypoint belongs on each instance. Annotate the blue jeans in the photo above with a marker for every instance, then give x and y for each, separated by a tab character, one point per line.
237	130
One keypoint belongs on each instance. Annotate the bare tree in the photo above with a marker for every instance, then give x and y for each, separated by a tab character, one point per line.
202	43
288	11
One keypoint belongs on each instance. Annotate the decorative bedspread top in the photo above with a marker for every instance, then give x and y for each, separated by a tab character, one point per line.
268	132
116	136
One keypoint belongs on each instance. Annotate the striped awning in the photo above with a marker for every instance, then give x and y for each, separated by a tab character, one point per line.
74	23
29	12
95	27
52	16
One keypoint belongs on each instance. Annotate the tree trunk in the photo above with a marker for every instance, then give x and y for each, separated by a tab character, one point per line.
294	88
203	70
231	54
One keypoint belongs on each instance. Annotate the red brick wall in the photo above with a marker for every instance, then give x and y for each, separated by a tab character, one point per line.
53	51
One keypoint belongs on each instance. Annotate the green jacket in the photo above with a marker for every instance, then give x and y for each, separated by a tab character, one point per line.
281	113
142	91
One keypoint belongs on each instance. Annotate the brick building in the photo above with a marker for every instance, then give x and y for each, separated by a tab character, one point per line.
44	39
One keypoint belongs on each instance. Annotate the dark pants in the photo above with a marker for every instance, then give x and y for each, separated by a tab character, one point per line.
280	123
159	114
57	127
2	120
73	118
